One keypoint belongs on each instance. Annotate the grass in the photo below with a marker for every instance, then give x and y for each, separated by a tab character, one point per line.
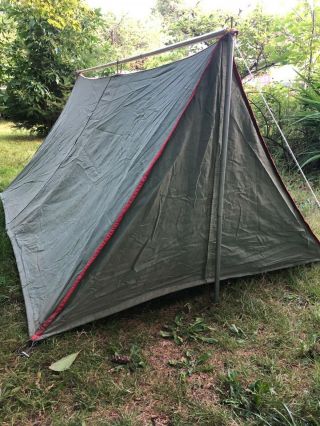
16	149
179	360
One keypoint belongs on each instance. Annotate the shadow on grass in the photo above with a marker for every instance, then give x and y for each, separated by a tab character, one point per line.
198	301
12	133
17	137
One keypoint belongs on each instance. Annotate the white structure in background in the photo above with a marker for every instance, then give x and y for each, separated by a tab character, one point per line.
284	74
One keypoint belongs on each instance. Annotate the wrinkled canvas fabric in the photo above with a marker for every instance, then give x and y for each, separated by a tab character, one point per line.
59	209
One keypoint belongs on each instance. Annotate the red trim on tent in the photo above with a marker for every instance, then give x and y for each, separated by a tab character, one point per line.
119	219
266	149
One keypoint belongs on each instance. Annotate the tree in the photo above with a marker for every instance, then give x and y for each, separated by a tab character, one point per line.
299	32
51	40
7	35
256	29
265	40
128	36
47	42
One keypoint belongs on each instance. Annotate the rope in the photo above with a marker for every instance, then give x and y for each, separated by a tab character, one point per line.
280	131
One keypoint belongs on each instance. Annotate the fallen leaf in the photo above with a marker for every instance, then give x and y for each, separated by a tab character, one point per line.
64	363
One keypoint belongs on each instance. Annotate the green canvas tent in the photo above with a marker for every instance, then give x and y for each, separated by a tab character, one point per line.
120	203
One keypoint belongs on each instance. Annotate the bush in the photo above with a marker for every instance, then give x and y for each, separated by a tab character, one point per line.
297	110
309	123
283	102
51	41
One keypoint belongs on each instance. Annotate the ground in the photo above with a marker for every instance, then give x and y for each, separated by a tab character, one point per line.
253	359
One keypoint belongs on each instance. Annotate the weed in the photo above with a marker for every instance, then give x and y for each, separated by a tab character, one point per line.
258	401
237	331
133	361
191	363
311	348
181	331
245	399
283	416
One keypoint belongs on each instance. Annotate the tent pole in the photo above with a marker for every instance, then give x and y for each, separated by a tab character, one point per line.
188	42
223	164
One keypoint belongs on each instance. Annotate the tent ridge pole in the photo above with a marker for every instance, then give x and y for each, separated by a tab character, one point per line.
188	42
223	163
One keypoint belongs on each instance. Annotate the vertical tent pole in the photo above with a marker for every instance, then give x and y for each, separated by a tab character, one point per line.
223	162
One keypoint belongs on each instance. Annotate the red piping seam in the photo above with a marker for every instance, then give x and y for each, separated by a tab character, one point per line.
267	152
119	219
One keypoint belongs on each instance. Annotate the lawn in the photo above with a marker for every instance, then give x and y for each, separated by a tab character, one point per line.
180	360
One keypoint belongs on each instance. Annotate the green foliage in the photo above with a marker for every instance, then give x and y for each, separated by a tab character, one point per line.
43	43
245	399
126	37
310	348
297	110
191	363
12	156
283	103
265	39
7	35
256	29
181	330
133	361
309	121
256	401
47	48
299	32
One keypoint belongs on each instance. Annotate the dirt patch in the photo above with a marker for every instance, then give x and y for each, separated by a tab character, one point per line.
146	409
159	354
203	389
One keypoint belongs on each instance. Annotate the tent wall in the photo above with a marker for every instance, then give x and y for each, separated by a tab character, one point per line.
262	228
19	197
162	244
62	205
167	240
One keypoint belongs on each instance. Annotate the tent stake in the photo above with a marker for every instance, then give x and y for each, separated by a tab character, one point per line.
194	40
223	164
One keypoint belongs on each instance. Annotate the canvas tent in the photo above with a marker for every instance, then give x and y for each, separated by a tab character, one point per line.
119	204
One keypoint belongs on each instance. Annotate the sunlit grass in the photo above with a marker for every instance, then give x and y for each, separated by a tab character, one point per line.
16	149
